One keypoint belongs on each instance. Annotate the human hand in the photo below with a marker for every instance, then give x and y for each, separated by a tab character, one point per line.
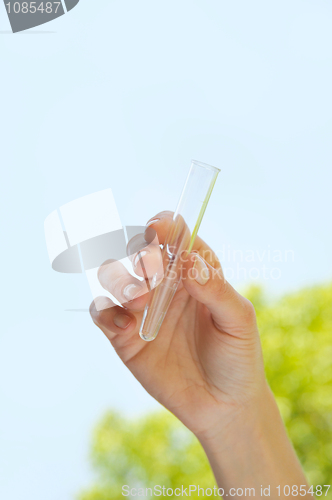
206	364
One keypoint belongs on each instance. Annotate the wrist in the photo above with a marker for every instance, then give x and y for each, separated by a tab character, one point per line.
253	449
240	423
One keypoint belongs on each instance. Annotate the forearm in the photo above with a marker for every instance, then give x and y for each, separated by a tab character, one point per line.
254	452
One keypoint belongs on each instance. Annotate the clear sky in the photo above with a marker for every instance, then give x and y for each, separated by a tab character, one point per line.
122	94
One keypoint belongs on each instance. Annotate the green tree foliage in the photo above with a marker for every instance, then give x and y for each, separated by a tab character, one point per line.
156	449
152	450
297	344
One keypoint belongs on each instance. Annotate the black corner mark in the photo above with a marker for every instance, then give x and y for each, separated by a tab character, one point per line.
24	15
70	4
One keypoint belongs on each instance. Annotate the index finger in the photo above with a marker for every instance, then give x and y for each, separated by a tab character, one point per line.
161	224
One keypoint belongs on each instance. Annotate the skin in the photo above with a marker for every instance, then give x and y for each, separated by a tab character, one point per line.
205	366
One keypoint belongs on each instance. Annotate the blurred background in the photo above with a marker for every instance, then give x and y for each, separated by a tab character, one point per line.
123	94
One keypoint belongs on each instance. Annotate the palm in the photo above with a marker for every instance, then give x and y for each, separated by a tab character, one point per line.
191	365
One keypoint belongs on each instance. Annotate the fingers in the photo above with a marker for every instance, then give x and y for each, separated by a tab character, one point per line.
119	325
127	289
161	224
231	313
147	263
110	318
145	256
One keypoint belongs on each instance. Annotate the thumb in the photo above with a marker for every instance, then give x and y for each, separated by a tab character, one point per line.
231	312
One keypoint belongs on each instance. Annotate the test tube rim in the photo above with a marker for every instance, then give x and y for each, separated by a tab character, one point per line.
205	165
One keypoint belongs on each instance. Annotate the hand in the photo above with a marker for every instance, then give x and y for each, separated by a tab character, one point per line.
206	364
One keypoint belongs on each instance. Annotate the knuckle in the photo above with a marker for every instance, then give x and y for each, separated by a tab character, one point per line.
165	213
104	269
92	309
248	311
136	244
95	312
219	284
116	286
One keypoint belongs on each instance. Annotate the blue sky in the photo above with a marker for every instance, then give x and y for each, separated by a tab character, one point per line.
122	95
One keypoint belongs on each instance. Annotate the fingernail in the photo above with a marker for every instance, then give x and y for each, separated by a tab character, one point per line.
131	291
152	221
138	257
121	320
202	274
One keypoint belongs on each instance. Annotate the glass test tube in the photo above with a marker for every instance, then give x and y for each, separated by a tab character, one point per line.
179	241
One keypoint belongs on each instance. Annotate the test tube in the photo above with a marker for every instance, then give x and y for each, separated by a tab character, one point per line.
179	242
